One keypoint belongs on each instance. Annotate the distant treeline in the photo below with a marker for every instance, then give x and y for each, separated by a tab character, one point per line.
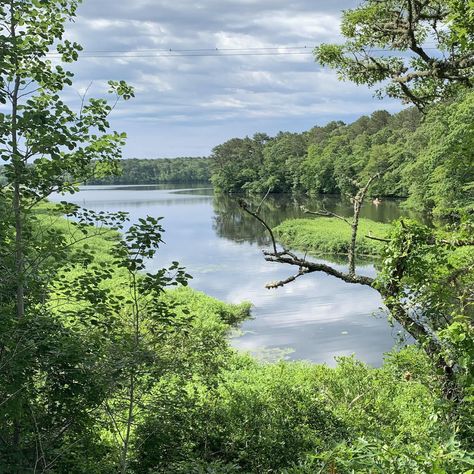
417	157
156	171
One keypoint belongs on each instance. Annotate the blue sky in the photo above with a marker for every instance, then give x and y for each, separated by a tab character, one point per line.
185	106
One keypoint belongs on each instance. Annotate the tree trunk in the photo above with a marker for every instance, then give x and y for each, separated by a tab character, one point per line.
18	169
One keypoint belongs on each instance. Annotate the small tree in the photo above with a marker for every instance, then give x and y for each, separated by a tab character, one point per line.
46	147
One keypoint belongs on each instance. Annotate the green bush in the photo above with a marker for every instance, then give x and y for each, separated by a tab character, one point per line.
258	417
294	417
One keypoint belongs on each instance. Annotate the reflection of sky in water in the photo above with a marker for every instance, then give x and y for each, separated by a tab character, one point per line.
317	316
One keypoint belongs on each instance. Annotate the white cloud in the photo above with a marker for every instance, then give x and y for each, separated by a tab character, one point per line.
230	95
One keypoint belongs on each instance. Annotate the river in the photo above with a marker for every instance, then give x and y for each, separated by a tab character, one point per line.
315	318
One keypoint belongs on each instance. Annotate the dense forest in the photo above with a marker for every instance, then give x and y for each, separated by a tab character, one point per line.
157	171
407	148
110	366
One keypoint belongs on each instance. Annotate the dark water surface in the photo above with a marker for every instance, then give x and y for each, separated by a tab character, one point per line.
315	318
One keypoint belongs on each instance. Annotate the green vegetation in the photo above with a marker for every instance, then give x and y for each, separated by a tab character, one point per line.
158	171
429	161
207	407
109	367
296	417
331	236
422	76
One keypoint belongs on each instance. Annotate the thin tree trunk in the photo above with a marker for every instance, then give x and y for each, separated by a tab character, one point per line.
126	441
131	399
358	201
355	228
17	210
18	165
19	255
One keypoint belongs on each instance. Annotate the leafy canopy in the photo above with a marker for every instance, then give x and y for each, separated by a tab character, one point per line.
405	48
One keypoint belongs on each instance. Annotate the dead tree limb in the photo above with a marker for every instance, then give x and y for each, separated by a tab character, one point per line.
310	267
325	213
357	202
278	284
247	209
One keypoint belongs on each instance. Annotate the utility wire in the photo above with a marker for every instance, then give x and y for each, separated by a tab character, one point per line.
126	56
198	52
202	52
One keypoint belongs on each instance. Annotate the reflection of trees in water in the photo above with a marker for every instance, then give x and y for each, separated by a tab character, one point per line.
231	222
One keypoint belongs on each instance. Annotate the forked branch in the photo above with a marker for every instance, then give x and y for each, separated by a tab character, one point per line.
357	201
303	264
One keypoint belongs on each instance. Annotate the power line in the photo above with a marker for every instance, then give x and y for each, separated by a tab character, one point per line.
197	52
126	56
204	52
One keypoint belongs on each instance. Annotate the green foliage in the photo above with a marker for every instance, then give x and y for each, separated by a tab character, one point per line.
207	409
386	46
54	371
282	163
103	369
431	273
426	280
282	417
362	456
236	163
254	419
461	24
323	160
163	170
433	279
429	161
329	235
440	175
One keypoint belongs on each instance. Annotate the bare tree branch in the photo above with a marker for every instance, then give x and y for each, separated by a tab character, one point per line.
263	200
311	267
246	208
325	213
378	239
281	283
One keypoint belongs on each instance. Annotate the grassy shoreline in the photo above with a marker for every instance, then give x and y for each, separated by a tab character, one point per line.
331	236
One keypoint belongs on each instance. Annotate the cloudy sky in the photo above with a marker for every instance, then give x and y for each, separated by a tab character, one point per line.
188	101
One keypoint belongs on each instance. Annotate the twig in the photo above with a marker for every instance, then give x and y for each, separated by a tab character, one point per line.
325	213
379	239
281	283
263	200
245	207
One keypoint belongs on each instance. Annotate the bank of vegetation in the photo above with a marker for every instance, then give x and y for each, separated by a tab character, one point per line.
110	366
184	170
201	406
329	236
424	159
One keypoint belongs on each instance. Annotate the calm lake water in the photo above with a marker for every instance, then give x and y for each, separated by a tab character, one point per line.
316	318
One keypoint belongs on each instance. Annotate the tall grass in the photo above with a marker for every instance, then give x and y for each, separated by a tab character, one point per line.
329	235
